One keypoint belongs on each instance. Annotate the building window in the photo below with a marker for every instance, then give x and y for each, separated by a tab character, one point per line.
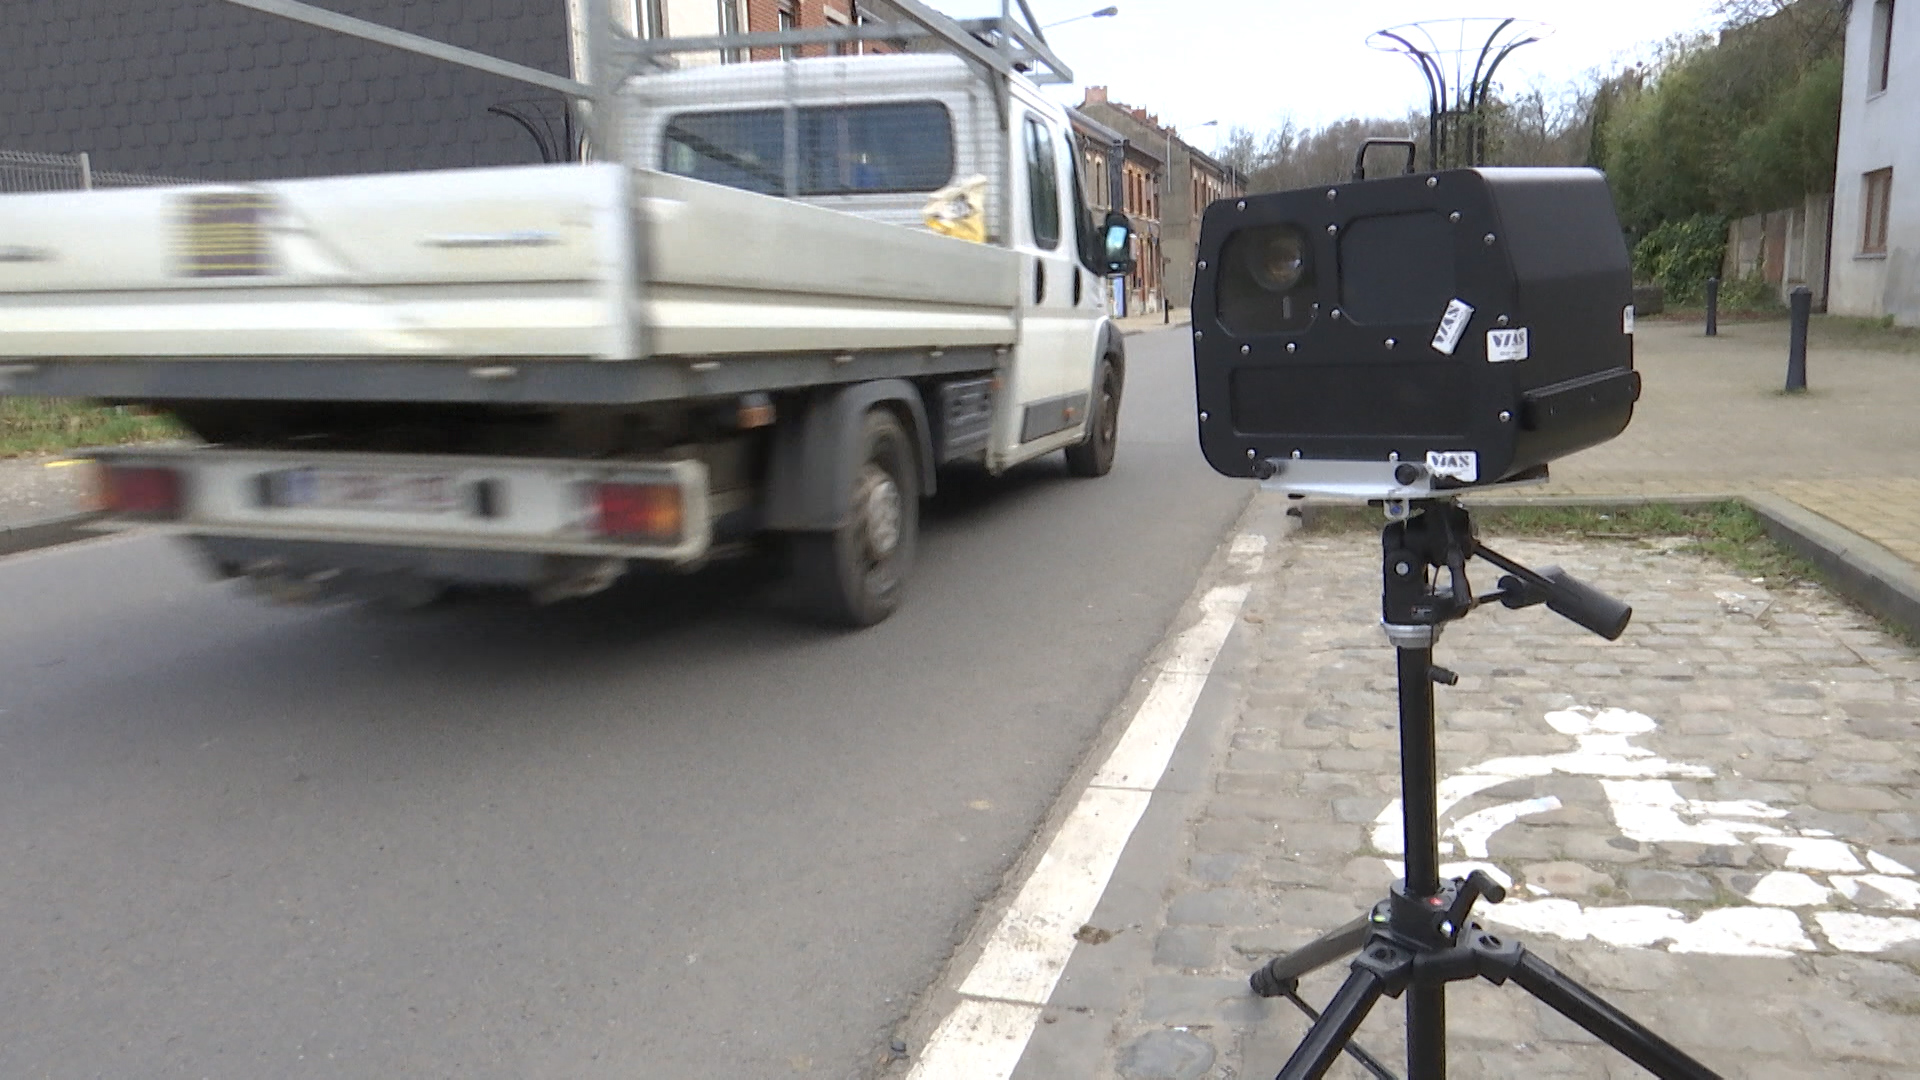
1880	47
836	17
787	22
656	18
733	20
1879	201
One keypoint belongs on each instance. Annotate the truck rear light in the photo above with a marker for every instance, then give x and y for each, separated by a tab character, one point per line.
139	490
639	511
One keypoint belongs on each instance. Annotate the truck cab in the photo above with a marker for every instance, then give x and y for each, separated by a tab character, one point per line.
877	137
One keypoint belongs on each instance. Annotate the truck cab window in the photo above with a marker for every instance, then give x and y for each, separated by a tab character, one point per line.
843	149
1043	186
742	148
1086	235
860	149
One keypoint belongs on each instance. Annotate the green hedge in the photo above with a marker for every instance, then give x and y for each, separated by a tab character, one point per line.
1681	255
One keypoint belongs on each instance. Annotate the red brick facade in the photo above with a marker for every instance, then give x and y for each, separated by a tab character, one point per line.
764	16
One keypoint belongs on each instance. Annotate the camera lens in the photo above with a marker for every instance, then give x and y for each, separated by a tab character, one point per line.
1278	260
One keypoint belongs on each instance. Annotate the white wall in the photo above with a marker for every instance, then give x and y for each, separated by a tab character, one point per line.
1878	131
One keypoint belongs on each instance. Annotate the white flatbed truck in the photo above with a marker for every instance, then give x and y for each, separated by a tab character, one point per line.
734	327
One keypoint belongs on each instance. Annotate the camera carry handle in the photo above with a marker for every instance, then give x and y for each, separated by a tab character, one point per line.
1360	157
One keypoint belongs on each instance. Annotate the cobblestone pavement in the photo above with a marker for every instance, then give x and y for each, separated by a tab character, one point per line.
1713	822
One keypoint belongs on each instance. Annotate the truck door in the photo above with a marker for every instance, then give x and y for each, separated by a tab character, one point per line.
1060	306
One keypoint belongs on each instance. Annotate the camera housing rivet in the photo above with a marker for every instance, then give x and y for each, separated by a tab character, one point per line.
1505	416
1241	205
1245	349
1335	313
1502	320
1196	335
1433	181
1487	239
1203	416
1296	455
1291	347
1333	230
1251	454
1391	343
1332	194
1454	217
1203	264
1393	455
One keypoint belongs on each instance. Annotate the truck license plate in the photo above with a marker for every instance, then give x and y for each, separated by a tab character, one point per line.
344	489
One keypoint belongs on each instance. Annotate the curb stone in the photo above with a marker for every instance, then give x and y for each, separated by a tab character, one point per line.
1861	570
47	532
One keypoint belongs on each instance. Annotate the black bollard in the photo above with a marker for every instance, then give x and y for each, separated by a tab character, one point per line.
1800	304
1713	306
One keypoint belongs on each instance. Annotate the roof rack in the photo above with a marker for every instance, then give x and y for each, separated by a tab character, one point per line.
1008	43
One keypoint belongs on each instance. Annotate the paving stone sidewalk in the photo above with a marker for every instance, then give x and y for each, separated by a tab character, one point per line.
1714	822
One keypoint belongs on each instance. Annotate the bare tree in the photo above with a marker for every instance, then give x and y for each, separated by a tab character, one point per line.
1817	26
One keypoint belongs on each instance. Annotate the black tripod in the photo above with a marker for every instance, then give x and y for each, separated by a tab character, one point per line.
1422	937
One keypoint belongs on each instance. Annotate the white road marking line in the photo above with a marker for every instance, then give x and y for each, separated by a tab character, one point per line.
978	1039
1024	957
1143	752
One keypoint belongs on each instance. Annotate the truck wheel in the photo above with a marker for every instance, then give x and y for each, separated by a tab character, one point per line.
856	575
1095	456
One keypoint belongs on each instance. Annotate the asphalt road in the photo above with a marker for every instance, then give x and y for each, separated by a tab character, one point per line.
662	832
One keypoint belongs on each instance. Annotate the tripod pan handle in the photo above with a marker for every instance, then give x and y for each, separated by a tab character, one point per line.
1571	598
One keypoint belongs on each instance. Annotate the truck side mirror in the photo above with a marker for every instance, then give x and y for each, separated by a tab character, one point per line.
1118	244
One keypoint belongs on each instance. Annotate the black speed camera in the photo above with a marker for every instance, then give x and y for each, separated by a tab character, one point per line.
1397	337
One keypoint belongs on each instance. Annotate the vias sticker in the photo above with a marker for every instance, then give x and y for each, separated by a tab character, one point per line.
1504	346
1453	325
1461	465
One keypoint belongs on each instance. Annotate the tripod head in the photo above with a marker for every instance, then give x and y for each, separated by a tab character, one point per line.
1438	534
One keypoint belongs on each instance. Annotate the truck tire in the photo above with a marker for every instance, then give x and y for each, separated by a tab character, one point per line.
1094	457
856	575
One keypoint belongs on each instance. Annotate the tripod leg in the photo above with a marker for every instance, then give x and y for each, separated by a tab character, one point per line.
1282	973
1427	1031
1330	1034
1608	1024
1354	1050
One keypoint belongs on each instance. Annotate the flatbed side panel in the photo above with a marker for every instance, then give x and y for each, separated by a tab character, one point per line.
544	382
524	261
736	272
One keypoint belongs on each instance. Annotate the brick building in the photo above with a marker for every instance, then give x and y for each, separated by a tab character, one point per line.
1120	174
1177	187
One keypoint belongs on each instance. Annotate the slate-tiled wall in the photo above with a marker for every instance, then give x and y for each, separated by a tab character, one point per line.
203	89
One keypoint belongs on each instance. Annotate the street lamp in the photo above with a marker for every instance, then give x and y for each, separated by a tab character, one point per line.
1103	13
1166	200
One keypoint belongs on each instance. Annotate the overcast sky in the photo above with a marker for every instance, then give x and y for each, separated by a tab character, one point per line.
1253	63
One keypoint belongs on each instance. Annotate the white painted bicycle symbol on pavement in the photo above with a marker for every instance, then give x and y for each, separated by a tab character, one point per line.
1814	866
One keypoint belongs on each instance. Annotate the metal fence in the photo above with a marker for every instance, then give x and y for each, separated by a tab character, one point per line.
22	171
